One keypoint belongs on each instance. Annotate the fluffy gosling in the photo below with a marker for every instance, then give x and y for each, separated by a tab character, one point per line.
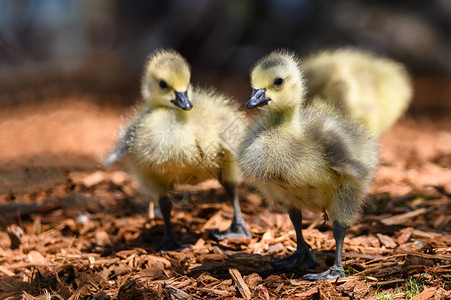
181	136
305	156
372	89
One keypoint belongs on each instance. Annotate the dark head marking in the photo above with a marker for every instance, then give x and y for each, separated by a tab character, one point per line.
271	62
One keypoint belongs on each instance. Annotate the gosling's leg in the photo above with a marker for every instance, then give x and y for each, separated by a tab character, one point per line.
302	256
238	228
336	271
169	242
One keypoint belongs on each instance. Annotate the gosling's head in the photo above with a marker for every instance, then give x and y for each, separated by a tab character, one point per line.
277	81
166	80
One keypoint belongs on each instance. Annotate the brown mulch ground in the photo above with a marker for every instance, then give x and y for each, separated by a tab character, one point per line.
71	230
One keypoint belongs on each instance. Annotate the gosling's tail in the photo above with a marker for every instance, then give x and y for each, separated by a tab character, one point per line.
122	147
117	154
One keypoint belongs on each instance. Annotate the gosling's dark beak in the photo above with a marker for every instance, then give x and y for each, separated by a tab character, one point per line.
258	99
182	101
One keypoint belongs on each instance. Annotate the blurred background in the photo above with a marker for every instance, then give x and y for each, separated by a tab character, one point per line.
70	69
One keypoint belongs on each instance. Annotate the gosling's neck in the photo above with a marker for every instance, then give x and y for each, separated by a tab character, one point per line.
285	117
181	116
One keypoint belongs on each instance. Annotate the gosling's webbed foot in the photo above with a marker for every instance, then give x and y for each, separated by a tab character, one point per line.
333	273
303	257
170	244
235	231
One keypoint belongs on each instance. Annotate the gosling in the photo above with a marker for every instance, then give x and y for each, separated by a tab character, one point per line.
182	136
375	90
305	156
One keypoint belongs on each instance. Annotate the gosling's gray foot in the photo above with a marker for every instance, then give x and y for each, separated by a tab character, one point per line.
236	230
170	244
304	257
333	273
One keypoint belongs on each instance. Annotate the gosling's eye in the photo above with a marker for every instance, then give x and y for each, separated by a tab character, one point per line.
163	85
278	82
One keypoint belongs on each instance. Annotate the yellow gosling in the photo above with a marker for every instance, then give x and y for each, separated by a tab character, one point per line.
181	136
305	156
373	89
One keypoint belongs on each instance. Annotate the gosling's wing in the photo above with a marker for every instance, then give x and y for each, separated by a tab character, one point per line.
127	133
122	147
338	154
344	140
116	154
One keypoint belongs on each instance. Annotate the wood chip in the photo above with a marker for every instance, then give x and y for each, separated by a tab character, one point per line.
406	234
6	271
199	244
252	280
151	211
388	282
216	292
179	294
433	256
15	234
426	294
426	234
402	218
277	290
240	284
276	248
263	244
234	244
355	288
118	177
309	294
387	241
93	179
156	258
35	257
211	223
102	238
260	292
315	223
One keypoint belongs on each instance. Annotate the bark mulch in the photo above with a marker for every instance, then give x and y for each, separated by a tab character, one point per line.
87	234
